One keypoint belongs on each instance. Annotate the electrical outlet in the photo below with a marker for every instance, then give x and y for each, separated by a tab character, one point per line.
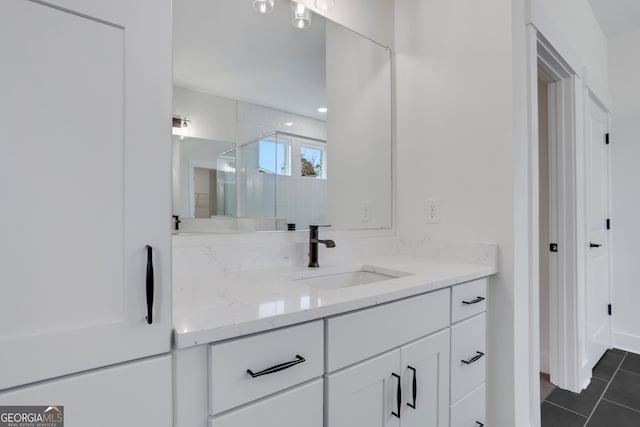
432	214
366	211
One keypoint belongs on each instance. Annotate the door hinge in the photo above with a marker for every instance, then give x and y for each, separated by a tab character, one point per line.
608	224
606	138
609	309
553	247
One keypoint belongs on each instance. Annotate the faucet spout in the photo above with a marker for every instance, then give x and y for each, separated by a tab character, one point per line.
313	245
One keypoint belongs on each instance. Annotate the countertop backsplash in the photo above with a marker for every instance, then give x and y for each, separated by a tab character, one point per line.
198	254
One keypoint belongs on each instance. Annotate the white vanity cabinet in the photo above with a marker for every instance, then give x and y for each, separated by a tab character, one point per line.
84	179
468	354
407	386
393	364
268	379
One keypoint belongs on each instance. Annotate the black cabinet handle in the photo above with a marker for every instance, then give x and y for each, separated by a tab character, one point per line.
277	368
475	301
398	396
594	245
149	284
479	424
414	385
475	358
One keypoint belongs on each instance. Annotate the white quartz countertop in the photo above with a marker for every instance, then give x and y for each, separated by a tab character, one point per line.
229	305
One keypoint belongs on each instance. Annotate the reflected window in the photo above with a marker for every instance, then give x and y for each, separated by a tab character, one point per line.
312	162
273	157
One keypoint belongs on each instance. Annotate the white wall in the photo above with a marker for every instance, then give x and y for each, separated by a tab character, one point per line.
371	18
624	68
358	131
455	142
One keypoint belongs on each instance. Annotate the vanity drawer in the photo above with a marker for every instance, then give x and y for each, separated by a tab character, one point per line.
357	336
468	299
470	411
468	348
300	406
230	384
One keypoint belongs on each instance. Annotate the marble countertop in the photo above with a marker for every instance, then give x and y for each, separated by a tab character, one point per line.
229	305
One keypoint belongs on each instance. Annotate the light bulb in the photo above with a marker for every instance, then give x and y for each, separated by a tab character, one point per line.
300	16
263	6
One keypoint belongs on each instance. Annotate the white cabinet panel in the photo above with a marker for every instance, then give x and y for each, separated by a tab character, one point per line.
301	406
129	395
425	363
84	181
365	394
468	299
470	411
468	356
355	336
298	347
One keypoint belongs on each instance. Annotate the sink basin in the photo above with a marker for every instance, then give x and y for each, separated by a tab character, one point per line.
352	277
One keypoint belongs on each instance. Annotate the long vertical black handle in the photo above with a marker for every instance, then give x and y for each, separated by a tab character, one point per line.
149	284
414	385
398	396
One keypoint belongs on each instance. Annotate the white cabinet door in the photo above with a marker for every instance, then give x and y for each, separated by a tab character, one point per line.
85	92
365	394
300	406
425	370
128	395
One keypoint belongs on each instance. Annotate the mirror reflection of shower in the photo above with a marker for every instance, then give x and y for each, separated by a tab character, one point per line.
283	176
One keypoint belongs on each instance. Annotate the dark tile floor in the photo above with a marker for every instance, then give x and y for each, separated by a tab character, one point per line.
611	400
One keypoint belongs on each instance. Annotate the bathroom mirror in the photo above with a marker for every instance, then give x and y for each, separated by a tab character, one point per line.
250	87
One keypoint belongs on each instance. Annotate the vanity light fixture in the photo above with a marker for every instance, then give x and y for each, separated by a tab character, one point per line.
325	4
263	6
322	110
300	16
180	126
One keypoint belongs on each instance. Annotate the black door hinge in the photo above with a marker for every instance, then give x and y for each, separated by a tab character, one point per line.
606	138
609	309
608	224
553	247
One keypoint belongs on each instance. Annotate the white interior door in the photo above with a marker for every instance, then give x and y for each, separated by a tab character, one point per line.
597	190
85	91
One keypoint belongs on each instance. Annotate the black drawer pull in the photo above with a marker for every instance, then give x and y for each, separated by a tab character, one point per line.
475	301
475	358
594	245
479	424
277	368
149	284
398	397
414	385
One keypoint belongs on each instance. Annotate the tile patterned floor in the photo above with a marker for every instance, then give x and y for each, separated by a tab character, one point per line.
611	400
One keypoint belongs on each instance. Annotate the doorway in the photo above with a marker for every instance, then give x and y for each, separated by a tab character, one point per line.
573	247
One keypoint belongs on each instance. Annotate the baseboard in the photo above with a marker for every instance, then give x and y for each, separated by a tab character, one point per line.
626	342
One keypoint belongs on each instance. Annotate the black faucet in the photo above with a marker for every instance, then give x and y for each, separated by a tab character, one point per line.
313	244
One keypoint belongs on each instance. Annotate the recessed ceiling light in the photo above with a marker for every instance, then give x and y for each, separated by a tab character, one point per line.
322	110
289	124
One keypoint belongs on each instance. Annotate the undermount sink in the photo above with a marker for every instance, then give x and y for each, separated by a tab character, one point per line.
362	275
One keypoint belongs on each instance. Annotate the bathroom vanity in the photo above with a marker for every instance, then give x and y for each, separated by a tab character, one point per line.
281	348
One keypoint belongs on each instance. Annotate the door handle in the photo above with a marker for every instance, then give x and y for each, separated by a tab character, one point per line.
398	396
414	386
594	245
149	284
